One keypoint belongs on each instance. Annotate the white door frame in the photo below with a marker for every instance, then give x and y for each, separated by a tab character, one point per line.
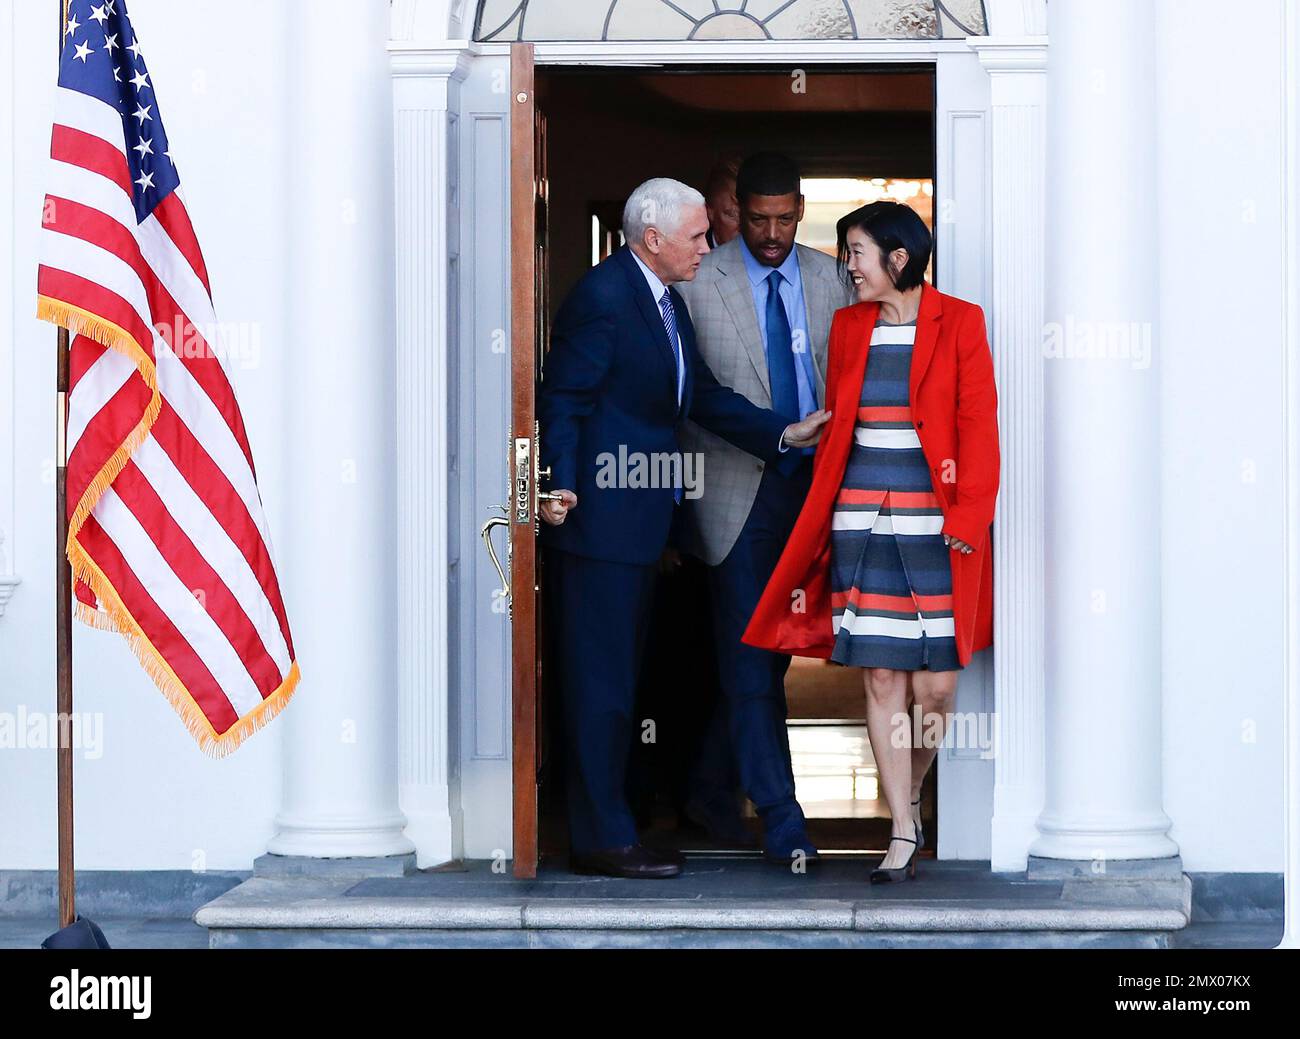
430	223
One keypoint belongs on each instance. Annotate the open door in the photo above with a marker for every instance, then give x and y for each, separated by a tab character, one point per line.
528	190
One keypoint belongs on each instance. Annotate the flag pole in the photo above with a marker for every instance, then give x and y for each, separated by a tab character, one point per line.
63	623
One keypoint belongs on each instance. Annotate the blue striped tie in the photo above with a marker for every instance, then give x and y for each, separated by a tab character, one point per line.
670	326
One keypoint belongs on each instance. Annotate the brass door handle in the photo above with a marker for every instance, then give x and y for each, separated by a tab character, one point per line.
528	493
486	534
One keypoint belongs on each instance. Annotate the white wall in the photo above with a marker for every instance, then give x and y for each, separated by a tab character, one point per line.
1220	347
152	800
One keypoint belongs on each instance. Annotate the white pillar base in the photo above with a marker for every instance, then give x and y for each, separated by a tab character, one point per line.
1134	836
366	836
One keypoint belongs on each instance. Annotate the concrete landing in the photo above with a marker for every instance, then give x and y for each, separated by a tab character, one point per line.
716	902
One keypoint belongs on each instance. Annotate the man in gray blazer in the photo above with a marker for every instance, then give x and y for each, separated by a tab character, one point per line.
761	306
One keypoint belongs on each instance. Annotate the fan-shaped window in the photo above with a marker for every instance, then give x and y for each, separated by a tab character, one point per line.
500	20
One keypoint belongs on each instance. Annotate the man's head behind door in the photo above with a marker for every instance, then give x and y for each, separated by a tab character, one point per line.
771	205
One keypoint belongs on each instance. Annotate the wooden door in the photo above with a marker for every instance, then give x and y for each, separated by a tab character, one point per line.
528	317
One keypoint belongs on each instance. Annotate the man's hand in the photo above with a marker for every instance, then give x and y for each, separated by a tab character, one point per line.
670	560
554	511
807	432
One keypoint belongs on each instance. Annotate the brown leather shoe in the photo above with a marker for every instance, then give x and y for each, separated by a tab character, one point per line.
634	862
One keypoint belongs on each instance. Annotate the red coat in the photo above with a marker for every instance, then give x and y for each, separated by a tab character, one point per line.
954	409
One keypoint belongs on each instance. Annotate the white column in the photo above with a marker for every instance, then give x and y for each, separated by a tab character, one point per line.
1102	441
425	86
1017	68
340	732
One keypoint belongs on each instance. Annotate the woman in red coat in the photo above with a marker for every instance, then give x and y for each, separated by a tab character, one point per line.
889	565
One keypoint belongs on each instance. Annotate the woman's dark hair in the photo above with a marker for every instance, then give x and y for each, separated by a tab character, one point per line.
891	225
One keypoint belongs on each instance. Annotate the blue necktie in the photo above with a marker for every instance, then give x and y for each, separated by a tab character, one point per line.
670	326
780	354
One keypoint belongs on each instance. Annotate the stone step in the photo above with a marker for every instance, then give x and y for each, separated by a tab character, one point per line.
715	905
679	938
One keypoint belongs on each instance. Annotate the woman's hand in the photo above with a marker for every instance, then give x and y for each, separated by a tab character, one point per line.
958	544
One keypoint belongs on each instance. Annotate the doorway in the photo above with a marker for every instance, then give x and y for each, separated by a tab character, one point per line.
857	134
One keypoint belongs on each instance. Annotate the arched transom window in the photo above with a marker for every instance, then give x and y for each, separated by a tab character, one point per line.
500	20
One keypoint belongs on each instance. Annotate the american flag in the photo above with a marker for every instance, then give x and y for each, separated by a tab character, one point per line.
167	540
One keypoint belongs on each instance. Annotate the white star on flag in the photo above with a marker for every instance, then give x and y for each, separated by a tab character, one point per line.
83	52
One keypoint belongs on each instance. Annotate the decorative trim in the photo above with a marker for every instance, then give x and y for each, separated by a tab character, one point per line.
706	52
425	82
443	64
1017	68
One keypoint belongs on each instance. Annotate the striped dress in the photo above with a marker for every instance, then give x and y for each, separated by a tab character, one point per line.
891	574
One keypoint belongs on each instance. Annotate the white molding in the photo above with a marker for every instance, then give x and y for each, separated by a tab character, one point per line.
425	83
440	64
652	54
1291	466
1017	69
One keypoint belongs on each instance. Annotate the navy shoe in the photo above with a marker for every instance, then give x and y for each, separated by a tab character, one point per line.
786	840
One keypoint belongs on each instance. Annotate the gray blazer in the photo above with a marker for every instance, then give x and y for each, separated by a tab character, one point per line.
721	305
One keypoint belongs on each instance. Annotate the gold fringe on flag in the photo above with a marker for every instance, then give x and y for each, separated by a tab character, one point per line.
114	615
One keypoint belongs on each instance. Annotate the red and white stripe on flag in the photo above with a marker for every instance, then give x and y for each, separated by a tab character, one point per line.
168	541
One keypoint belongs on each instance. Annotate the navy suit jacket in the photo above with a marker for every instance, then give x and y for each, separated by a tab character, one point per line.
609	391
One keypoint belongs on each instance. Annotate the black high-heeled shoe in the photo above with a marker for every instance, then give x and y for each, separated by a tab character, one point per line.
920	831
907	869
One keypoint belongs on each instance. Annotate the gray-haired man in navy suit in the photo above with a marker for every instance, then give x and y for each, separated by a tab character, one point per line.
621	376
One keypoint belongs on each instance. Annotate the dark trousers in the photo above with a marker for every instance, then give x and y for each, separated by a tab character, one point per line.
678	688
599	612
753	680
